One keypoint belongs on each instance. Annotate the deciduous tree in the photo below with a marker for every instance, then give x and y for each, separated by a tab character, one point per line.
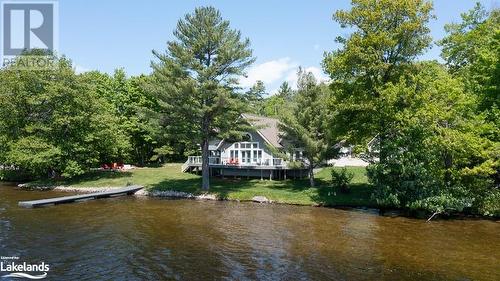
53	123
386	38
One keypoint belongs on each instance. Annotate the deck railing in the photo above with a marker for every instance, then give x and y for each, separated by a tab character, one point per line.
237	161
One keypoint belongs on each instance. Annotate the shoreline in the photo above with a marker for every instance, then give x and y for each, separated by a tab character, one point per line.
176	195
173	194
142	192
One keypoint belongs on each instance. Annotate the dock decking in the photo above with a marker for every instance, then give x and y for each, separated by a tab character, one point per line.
74	198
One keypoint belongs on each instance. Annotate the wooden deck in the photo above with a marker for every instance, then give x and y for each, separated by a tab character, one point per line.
241	166
84	197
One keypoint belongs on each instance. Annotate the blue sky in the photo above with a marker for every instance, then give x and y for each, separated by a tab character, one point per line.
106	35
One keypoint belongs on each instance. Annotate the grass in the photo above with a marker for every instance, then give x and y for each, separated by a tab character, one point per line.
169	177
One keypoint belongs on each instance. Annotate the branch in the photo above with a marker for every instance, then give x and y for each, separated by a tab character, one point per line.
430	218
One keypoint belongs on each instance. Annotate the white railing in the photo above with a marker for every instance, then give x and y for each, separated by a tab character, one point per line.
237	161
194	160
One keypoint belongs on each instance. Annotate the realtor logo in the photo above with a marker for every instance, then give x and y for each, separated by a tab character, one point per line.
28	25
15	269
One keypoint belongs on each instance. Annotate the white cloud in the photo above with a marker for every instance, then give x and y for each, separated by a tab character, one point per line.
80	69
275	72
268	72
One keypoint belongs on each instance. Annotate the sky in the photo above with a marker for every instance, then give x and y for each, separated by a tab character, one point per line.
111	34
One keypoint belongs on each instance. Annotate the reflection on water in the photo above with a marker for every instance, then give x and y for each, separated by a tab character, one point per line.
153	239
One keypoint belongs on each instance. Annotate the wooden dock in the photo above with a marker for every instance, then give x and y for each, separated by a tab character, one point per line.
84	197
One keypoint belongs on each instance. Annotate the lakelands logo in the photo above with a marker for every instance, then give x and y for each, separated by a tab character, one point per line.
16	269
27	26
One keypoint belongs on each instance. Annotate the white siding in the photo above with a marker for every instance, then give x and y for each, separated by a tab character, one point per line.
265	153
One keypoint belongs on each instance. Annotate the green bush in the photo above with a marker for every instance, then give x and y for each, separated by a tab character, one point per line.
341	179
490	205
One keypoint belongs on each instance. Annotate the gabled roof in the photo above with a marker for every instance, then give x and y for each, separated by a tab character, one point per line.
266	127
214	144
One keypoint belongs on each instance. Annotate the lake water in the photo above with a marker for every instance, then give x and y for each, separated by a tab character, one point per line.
133	238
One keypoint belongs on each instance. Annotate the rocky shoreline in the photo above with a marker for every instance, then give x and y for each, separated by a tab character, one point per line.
142	192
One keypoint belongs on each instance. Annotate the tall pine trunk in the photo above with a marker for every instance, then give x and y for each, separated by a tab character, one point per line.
204	166
311	174
205	172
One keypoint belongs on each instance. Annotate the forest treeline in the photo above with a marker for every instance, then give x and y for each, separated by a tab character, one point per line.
437	124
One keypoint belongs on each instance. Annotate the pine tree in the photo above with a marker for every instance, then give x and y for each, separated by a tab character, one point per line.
195	80
305	126
254	97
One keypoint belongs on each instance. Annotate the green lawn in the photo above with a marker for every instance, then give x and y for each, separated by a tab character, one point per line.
169	177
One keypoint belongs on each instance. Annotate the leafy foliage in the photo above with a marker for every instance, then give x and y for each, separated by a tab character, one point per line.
133	106
341	179
53	124
435	152
276	105
387	37
472	53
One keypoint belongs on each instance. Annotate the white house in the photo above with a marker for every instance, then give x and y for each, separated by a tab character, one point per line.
252	157
346	156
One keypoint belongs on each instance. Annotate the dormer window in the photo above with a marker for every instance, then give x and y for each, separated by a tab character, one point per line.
247	137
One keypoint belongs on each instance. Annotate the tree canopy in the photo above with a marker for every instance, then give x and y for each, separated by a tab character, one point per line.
435	152
54	124
471	50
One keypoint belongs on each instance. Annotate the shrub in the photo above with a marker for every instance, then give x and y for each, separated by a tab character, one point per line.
341	179
490	205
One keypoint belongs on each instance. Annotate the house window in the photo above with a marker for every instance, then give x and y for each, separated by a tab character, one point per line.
246	152
247	137
245	156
